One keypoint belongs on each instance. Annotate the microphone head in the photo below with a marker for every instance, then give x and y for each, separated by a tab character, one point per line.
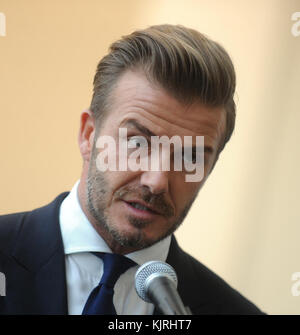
149	271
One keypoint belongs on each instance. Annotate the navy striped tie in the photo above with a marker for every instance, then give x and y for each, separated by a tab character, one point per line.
100	301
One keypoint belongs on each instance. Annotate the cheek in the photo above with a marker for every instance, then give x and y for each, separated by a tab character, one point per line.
120	179
184	192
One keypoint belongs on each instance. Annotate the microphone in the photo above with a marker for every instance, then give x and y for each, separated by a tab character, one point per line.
156	282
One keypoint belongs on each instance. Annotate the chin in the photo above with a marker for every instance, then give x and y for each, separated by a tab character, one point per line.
133	237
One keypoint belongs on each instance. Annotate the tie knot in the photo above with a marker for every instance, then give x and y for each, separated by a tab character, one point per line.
114	266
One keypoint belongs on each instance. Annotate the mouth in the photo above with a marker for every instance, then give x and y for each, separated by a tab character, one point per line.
137	208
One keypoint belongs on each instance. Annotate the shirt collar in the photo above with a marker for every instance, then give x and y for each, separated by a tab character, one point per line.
79	235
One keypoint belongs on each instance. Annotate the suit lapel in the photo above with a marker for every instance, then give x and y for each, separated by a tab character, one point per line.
39	253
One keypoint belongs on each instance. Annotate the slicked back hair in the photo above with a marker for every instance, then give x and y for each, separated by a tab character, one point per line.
187	64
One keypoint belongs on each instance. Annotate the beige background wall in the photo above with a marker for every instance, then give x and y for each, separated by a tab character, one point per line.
245	225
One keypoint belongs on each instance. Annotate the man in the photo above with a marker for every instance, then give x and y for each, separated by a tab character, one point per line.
163	81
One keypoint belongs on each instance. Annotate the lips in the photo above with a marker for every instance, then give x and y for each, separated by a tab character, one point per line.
140	201
141	206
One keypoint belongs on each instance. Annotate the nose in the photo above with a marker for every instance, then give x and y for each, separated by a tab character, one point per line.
156	181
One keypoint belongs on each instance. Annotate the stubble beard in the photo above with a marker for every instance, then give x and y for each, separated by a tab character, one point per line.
97	192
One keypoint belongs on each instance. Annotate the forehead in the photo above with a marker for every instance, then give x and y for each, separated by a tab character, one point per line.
135	97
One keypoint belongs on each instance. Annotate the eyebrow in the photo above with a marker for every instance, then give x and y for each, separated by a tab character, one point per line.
141	128
132	122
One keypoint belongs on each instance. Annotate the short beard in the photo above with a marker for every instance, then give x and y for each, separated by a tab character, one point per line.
97	191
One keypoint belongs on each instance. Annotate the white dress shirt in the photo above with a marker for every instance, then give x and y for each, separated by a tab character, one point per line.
84	270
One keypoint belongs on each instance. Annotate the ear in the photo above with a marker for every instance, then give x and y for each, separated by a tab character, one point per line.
86	134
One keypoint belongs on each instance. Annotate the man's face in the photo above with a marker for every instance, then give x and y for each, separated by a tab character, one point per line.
132	210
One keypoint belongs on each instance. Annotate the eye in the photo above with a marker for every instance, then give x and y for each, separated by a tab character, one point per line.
193	156
190	157
137	142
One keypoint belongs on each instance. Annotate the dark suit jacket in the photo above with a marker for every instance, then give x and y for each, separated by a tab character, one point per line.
32	259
